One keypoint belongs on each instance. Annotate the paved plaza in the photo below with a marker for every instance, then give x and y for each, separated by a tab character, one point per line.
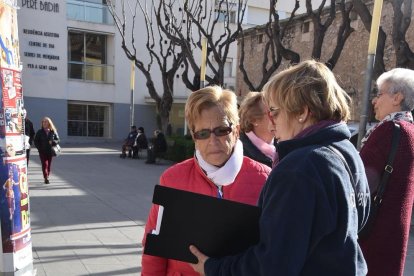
90	219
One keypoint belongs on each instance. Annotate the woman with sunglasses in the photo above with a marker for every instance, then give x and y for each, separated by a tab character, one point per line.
258	141
218	168
316	198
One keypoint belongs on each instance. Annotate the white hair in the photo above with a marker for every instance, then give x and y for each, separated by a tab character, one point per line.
400	80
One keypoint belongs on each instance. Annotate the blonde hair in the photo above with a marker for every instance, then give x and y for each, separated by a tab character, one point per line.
208	97
250	110
51	125
312	84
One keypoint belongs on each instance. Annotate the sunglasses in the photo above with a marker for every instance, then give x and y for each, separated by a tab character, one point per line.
273	113
218	131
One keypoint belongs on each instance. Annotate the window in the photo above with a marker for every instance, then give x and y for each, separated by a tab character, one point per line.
228	68
353	15
260	39
305	27
87	57
94	11
224	12
88	120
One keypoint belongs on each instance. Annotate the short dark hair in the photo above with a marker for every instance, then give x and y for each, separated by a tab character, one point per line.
141	129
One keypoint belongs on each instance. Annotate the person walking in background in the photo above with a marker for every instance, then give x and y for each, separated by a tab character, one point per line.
385	245
46	137
218	168
316	197
258	141
29	133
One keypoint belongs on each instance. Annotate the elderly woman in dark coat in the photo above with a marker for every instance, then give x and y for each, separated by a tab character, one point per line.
385	246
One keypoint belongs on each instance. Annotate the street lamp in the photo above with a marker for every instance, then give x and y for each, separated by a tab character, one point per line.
202	71
131	108
372	47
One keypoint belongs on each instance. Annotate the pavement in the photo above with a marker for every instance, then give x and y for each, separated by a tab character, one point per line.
90	219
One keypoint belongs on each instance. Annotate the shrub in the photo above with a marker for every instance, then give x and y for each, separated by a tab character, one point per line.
180	148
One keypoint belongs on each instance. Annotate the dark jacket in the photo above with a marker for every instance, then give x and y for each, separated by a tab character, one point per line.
309	221
42	139
250	150
160	144
130	140
141	141
29	130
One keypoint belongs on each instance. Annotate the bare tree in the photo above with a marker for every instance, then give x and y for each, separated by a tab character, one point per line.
274	50
322	23
161	51
186	23
343	34
401	23
319	27
362	10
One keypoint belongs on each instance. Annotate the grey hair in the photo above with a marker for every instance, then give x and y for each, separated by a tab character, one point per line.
400	80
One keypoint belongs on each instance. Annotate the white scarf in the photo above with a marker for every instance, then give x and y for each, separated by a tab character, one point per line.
396	116
226	174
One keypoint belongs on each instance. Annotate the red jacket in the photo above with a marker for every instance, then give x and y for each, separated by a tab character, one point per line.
386	247
188	176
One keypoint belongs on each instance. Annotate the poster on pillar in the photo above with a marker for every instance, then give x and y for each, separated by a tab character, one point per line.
9	42
15	246
14	210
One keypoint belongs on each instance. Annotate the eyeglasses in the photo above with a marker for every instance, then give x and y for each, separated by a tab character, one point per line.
218	131
380	93
273	113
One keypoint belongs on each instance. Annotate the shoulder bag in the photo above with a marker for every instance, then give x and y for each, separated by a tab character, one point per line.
56	150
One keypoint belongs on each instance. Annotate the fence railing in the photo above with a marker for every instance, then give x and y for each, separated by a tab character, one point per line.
89	12
91	72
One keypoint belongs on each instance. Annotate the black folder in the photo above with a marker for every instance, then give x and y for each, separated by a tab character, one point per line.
217	227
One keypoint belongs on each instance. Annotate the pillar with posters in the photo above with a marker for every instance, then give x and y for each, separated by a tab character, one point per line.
16	245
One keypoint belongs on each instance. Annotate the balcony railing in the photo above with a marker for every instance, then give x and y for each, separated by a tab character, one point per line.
91	72
89	12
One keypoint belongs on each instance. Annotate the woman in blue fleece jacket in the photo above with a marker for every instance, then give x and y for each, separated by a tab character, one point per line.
312	206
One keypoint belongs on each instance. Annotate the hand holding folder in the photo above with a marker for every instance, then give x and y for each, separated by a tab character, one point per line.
217	227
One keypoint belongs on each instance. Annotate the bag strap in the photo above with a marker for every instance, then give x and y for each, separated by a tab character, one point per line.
388	169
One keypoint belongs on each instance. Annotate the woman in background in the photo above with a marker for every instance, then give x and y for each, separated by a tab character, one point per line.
258	141
46	137
385	246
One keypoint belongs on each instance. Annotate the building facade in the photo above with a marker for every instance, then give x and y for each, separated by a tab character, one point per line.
75	71
351	66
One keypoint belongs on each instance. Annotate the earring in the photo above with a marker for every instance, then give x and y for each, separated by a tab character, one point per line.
300	120
256	124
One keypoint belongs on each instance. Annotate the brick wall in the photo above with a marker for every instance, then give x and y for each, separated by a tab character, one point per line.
351	66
